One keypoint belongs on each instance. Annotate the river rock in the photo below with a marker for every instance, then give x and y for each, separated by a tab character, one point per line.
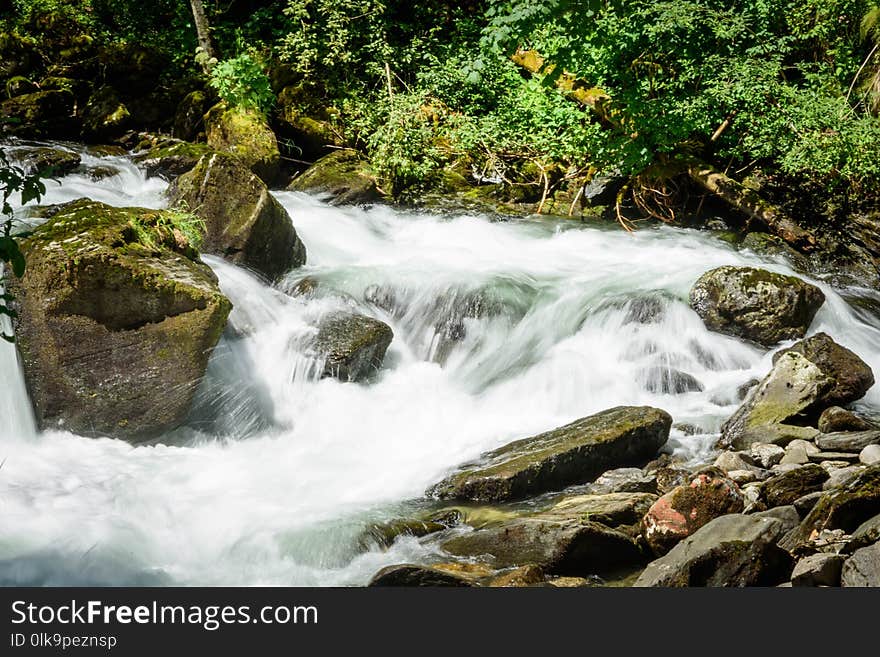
352	346
865	534
733	550
412	575
245	134
44	158
836	419
575	453
625	480
787	487
684	509
805	379
797	452
805	503
189	117
245	224
843	508
105	117
870	455
563	547
114	330
847	441
612	510
169	159
344	175
669	381
851	376
754	304
40	114
822	569
766	455
862	568
788	515
530	575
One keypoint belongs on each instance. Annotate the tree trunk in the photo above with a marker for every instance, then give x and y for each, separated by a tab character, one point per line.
203	29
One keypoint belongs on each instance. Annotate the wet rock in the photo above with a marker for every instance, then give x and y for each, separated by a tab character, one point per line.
569	582
870	455
411	575
245	134
805	379
244	223
169	159
612	509
575	453
115	325
522	576
821	569
624	480
384	534
862	568
837	419
45	159
668	381
40	114
732	550
756	305
565	547
105	117
344	175
843	508
352	346
851	376
805	503
787	487
684	509
840	476
849	441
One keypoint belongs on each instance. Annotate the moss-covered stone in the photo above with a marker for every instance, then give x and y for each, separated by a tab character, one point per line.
352	346
733	550
169	159
755	304
117	318
19	85
105	116
245	134
413	575
789	486
46	159
344	175
245	224
39	114
575	453
189	118
306	122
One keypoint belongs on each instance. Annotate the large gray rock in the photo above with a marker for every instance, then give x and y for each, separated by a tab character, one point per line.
847	441
344	175
117	318
789	486
352	346
822	569
733	550
244	223
807	378
862	568
575	453
836	419
754	304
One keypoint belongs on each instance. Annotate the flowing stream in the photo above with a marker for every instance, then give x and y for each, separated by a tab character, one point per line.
502	329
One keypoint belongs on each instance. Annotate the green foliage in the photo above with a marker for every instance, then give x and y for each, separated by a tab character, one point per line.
242	82
13	180
177	227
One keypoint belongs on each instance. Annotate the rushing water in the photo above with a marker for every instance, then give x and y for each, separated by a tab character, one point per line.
502	329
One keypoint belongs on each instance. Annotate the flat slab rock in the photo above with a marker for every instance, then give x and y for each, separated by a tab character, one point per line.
862	568
734	550
575	453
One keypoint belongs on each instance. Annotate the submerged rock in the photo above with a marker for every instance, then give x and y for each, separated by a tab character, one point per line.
352	346
807	378
344	175
244	223
246	135
116	321
575	453
684	509
670	381
733	550
44	158
755	304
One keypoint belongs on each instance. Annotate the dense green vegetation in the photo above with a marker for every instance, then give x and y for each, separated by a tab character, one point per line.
782	94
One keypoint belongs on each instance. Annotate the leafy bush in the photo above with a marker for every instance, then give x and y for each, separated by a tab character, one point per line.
242	82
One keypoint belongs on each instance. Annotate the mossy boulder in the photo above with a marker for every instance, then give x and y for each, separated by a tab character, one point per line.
811	376
351	346
20	85
686	508
414	575
575	453
734	550
245	134
755	304
116	319
35	159
611	509
189	118
40	114
836	419
306	122
105	117
169	159
786	487
245	224
844	508
18	55
343	175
